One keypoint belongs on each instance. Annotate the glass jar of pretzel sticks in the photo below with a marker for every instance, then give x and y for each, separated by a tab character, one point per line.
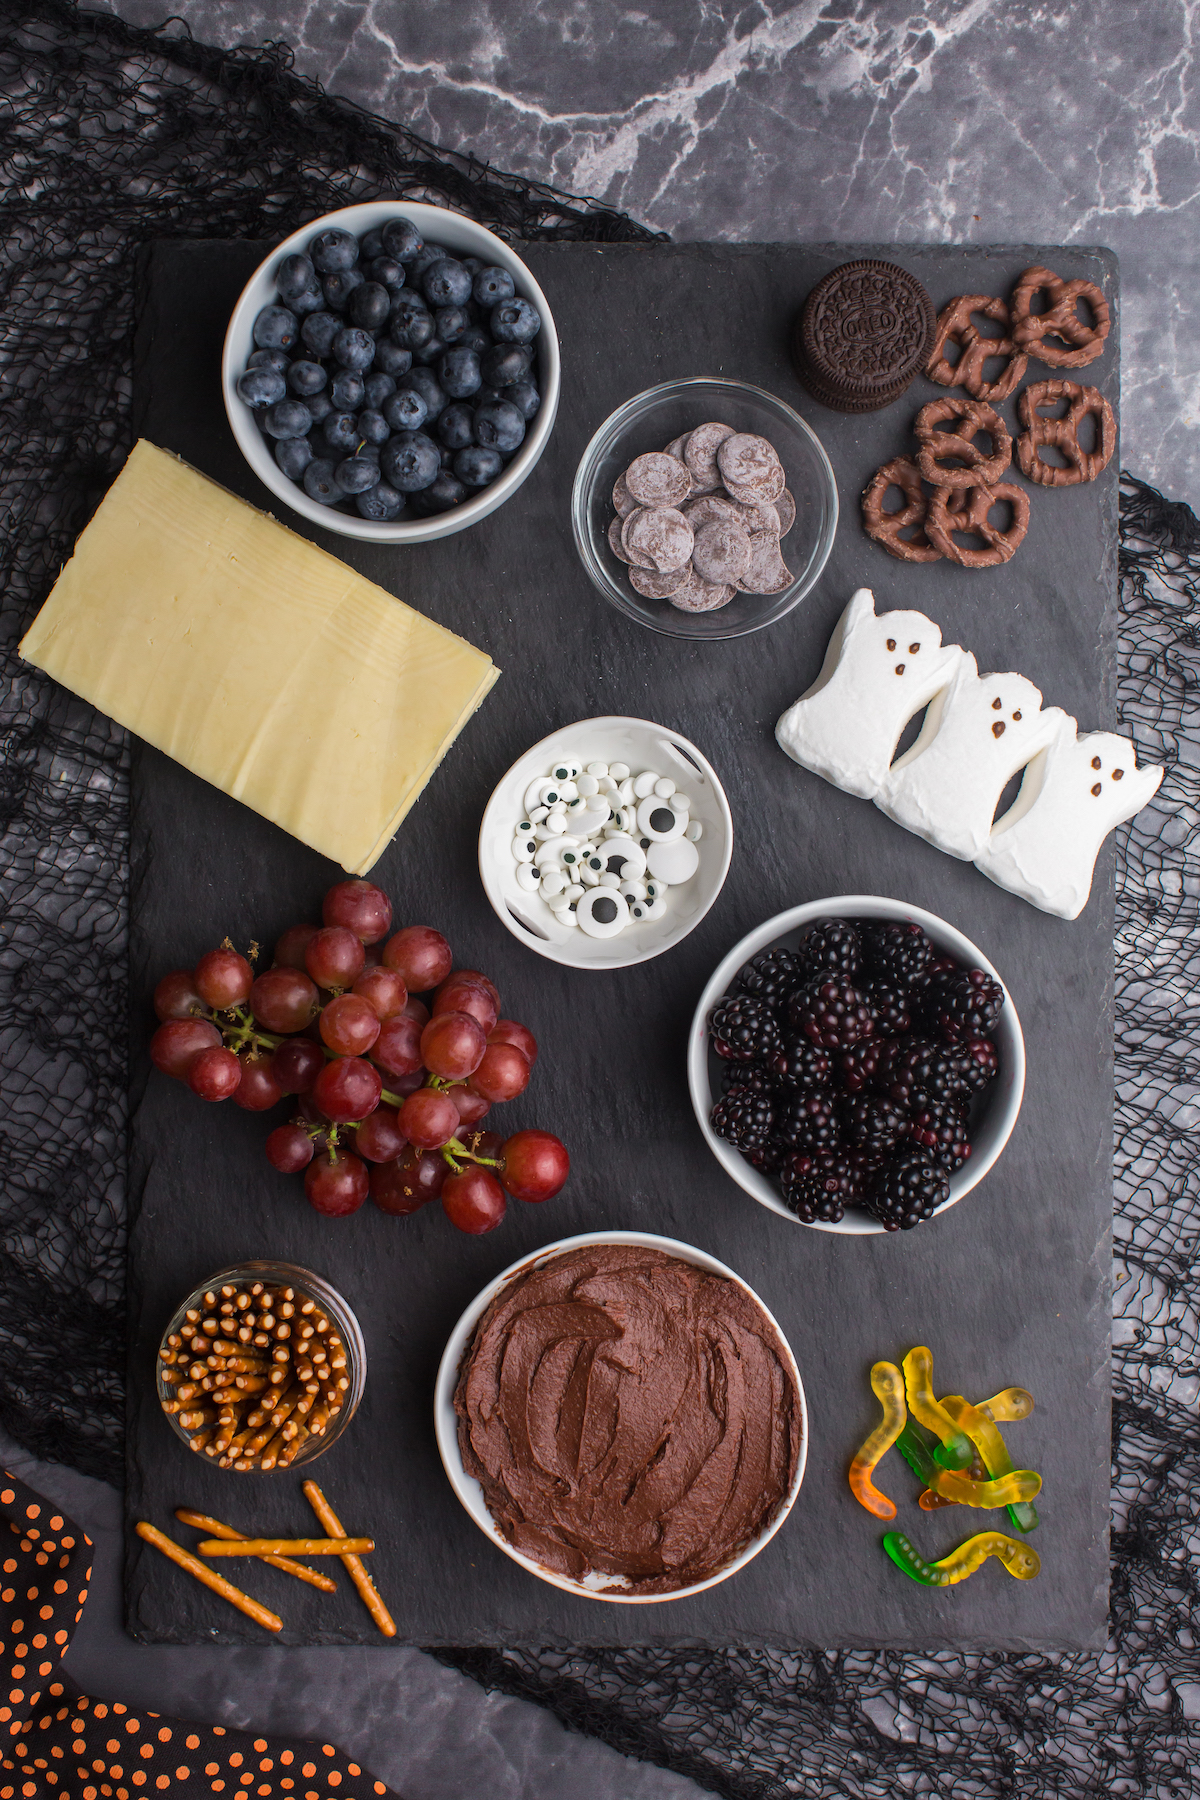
262	1367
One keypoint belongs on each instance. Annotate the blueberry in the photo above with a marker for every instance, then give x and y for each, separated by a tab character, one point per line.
429	353
487	393
472	264
446	283
411	330
388	273
475	466
505	363
260	388
410	461
369	305
515	322
339	289
451	322
405	410
499	426
319	484
380	503
295	275
441	494
446	455
370	245
491	286
425	258
333	251
356	475
459	374
373	427
402	240
354	348
293	456
390	359
346	391
370	452
318	332
425	383
341	431
269	359
377	387
276	328
310	301
474	338
287	419
456	426
320	406
305	378
525	397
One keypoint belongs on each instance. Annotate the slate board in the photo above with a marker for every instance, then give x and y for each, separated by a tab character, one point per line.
1011	1286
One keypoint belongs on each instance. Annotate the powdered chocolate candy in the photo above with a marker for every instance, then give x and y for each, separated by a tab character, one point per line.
785	506
622	499
614	539
721	553
700	455
711	509
749	467
657	537
698	595
766	573
655	586
675	447
757	515
657	479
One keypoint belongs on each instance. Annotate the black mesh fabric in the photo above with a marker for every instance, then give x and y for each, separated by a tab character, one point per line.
114	135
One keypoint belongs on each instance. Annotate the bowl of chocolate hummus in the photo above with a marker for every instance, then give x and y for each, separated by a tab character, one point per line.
621	1415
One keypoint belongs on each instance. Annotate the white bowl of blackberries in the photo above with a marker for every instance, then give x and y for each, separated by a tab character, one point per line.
856	1065
391	372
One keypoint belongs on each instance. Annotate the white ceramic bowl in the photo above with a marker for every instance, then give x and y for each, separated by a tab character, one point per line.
438	226
642	745
1001	1101
470	1492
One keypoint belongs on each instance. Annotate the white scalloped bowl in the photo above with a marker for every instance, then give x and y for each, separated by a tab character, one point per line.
993	1125
469	1491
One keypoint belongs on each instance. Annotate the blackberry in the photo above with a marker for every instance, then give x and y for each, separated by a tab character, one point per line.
772	976
942	1131
978	1062
832	945
769	1157
867	1064
907	1190
746	1075
922	1074
832	1012
743	1119
890	1005
895	953
819	1187
807	1121
872	1124
964	1003
801	1065
864	1166
743	1029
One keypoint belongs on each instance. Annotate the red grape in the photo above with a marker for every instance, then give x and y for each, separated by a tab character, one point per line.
502	1074
289	951
349	1026
284	1000
383	990
536	1165
297	1064
347	1089
407	1084
408	1183
489	987
379	1137
468	997
507	1031
471	1107
334	957
214	1074
416	1009
421	955
474	1201
336	1185
482	1143
259	1087
361	907
177	997
289	1149
223	979
428	1119
398	1046
452	1045
175	1045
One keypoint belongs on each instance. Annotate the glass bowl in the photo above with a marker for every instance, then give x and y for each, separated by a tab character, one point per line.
654	419
244	1278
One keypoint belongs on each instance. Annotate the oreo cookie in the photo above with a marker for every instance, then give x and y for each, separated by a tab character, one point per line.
863	333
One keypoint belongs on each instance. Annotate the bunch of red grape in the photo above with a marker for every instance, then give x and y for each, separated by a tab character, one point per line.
380	1076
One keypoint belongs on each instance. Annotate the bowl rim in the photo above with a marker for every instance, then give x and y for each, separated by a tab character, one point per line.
359	218
489	829
445	1419
880	906
611	428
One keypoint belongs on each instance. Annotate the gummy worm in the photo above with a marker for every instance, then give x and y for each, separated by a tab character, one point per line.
918	1378
1018	1559
888	1384
1022	1484
1009	1406
980	1427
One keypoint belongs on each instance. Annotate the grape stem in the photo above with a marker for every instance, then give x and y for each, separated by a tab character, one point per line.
456	1152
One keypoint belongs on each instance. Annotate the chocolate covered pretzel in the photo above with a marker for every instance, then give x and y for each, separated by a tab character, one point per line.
955	325
966	509
1062	434
885	527
1058	336
953	458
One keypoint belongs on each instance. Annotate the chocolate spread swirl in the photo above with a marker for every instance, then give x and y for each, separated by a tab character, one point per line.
628	1414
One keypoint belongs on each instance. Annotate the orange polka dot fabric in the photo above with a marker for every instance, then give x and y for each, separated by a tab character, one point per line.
57	1744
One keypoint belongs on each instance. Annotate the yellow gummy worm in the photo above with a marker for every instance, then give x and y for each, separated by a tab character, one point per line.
1009	1407
1021	1484
1018	1559
980	1427
888	1384
918	1379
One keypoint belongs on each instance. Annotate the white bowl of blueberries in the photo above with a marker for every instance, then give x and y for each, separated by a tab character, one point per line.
391	372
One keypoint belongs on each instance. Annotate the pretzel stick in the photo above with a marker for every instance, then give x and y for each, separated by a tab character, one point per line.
367	1590
237	1545
252	1608
203	1522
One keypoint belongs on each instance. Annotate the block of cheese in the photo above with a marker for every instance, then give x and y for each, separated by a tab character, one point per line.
259	662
